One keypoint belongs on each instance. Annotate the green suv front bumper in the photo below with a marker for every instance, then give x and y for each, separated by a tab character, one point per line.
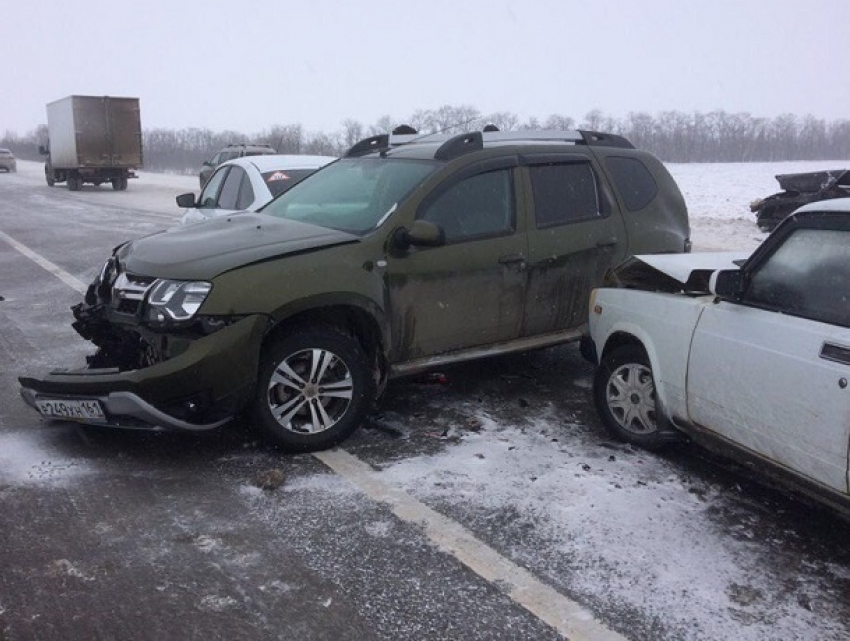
202	388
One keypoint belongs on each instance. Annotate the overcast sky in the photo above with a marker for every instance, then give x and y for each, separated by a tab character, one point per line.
246	65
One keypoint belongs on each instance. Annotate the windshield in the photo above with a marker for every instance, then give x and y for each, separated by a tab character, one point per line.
352	194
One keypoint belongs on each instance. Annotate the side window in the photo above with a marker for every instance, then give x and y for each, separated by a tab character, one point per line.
209	196
230	190
216	160
246	192
634	181
475	207
563	193
807	276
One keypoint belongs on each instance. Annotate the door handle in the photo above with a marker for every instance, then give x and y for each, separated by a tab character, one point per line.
837	353
607	242
513	259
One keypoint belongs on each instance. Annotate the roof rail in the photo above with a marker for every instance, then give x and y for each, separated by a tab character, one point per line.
597	139
368	145
532	135
459	145
452	146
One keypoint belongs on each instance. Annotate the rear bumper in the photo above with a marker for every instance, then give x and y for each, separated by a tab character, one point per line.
201	389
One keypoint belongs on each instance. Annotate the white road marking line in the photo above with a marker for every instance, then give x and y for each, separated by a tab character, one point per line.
547	604
57	271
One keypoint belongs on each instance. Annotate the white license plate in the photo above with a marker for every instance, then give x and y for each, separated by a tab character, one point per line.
75	410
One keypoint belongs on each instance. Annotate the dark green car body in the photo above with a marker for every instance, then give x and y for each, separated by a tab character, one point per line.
472	246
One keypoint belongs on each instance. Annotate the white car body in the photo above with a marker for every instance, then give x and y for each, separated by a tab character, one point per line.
770	382
254	192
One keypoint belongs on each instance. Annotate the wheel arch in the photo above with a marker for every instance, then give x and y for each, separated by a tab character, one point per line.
352	314
635	337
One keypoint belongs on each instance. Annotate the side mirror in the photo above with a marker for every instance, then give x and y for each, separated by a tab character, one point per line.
207	163
186	201
727	283
422	233
44	151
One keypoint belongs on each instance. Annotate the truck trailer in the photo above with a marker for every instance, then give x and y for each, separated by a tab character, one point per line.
93	139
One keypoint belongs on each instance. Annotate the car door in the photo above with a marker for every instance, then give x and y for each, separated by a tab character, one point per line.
770	372
574	237
469	291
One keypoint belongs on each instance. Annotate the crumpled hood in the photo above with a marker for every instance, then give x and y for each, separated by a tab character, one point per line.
674	272
204	250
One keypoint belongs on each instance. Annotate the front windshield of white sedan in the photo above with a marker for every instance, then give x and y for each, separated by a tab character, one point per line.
352	194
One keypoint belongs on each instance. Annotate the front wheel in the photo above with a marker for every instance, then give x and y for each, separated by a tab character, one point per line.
624	392
119	183
314	389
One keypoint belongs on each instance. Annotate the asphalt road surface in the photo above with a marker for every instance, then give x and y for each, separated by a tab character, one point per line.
487	503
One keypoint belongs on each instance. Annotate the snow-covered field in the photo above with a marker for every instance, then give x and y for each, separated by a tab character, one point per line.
622	530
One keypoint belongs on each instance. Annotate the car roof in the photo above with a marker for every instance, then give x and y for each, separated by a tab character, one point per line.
274	162
834	204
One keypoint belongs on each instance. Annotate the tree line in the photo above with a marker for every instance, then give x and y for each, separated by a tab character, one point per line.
673	136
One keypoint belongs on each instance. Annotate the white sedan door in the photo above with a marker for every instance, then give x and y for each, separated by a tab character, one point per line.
772	373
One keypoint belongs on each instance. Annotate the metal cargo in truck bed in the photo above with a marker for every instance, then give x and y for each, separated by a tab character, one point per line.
95	131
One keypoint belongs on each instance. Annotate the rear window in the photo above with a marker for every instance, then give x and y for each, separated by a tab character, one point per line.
281	180
633	180
563	193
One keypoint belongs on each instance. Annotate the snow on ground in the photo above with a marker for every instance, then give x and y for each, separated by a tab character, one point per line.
718	196
27	458
619	527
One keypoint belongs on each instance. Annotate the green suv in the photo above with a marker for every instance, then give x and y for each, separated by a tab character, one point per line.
406	254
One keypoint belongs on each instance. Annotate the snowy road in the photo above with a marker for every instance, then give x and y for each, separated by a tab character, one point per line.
492	506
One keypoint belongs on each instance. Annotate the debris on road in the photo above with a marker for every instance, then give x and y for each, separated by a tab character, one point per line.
269	479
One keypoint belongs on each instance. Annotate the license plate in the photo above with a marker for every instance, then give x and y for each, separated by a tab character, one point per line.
75	410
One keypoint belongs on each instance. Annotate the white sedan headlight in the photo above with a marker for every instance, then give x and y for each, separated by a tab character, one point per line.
176	300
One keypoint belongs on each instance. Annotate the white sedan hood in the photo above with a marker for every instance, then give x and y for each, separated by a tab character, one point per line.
674	272
681	266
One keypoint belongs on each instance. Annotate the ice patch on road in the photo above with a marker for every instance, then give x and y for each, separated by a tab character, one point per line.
27	458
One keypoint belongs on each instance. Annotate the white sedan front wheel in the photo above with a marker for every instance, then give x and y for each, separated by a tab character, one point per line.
624	392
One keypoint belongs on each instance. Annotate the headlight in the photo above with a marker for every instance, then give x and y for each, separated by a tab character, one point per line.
176	300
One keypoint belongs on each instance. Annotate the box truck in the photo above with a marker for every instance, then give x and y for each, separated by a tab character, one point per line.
93	139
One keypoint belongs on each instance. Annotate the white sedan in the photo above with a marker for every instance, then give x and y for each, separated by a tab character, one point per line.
247	183
749	356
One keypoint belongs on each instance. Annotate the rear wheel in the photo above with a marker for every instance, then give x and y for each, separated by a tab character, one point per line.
624	392
119	183
314	389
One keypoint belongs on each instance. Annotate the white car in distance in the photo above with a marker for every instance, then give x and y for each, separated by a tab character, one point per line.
247	183
750	358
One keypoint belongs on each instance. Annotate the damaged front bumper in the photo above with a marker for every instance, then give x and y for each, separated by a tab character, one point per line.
202	388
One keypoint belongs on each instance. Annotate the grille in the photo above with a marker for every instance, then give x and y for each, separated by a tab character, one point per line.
128	291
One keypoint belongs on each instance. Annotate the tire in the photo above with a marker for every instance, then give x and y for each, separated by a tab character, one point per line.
119	183
75	183
290	399
624	393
